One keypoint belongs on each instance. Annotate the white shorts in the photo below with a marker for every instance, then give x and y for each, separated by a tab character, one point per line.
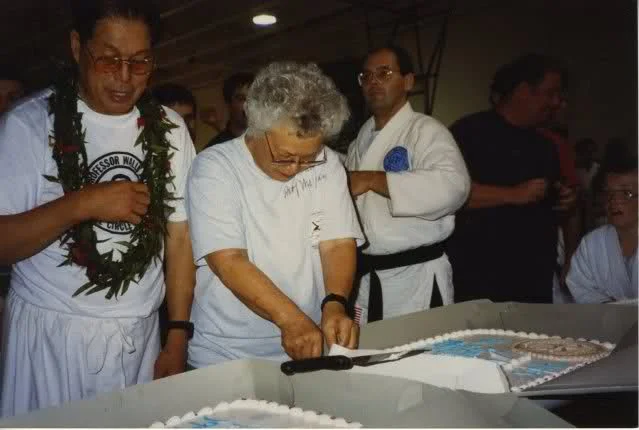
49	358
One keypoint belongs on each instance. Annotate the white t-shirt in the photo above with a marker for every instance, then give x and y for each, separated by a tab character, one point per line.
232	203
26	155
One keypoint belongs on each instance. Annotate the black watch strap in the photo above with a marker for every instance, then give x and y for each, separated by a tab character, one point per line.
334	298
181	325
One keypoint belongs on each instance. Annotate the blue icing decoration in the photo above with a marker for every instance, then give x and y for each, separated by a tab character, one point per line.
208	422
538	368
457	347
396	160
468	348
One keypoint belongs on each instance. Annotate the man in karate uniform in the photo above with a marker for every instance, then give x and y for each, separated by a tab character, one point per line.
604	268
408	178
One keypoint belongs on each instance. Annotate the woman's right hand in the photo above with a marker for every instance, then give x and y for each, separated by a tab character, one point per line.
301	337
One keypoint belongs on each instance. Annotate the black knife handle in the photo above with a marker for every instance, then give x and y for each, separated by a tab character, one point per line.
330	362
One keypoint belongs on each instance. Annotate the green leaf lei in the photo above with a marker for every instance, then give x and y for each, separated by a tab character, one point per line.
69	153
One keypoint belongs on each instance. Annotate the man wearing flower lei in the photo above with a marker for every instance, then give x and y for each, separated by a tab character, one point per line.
92	175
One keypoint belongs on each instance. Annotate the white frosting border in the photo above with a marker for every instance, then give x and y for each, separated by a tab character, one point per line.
311	417
582	361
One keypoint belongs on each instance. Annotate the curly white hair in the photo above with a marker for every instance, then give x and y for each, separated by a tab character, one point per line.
299	93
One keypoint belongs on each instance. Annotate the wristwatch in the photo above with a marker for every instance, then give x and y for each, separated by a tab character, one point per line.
334	298
181	325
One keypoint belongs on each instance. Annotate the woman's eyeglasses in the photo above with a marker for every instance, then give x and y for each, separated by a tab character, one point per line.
291	162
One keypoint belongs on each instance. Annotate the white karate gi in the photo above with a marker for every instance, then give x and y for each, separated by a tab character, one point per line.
423	199
599	272
55	347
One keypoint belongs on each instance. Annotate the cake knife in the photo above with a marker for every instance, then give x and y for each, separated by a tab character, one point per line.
342	362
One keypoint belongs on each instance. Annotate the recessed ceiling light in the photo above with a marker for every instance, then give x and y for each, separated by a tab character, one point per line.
264	19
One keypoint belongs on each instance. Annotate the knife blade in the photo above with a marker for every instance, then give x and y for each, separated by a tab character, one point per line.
342	362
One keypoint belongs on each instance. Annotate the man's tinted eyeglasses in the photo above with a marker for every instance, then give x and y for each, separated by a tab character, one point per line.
288	163
381	74
110	64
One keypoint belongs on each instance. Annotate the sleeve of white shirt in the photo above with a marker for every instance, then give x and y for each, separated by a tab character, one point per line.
183	156
213	206
438	182
339	219
581	280
21	164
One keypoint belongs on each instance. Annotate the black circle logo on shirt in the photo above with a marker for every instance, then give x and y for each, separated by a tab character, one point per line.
115	166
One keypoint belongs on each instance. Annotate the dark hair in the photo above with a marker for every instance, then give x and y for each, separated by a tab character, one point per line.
529	68
9	73
235	81
582	144
615	152
404	60
171	94
87	13
621	166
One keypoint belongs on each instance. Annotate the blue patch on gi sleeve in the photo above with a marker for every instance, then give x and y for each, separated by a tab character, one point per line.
396	160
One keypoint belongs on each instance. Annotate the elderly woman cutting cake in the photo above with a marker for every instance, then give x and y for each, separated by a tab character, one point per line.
274	228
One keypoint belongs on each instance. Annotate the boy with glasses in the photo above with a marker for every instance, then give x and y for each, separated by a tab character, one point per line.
604	267
408	178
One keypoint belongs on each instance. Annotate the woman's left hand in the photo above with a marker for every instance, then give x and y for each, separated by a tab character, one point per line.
338	328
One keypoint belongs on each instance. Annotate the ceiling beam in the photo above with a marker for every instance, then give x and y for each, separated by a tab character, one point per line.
195	32
257	37
371	5
176	10
232	50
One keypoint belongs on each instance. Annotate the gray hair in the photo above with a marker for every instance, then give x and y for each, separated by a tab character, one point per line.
299	93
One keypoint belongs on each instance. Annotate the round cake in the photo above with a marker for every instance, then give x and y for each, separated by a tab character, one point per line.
561	348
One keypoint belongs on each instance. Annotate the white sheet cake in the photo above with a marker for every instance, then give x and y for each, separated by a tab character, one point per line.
250	413
527	359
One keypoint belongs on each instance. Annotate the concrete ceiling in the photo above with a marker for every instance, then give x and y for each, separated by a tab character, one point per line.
202	41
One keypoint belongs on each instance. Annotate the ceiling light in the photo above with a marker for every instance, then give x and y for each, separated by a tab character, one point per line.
264	19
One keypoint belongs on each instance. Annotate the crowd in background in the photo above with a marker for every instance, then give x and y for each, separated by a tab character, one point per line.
268	243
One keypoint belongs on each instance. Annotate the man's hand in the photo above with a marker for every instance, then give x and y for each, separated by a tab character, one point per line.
115	201
301	338
363	181
531	191
338	327
567	198
172	359
359	182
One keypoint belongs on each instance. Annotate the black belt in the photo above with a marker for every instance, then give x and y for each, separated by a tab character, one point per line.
371	263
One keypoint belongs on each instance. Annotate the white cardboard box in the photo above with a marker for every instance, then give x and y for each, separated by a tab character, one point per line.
375	401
